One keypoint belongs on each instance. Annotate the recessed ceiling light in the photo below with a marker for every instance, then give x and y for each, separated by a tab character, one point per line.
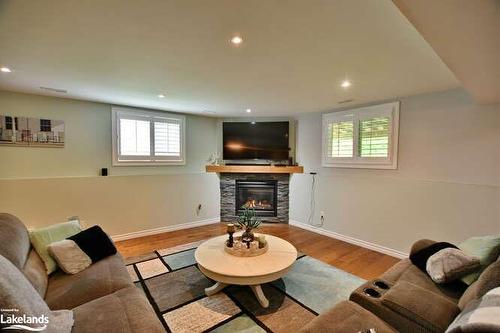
345	84
161	96
249	110
236	40
5	69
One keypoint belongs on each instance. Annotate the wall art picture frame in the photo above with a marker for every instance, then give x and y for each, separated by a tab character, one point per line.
31	132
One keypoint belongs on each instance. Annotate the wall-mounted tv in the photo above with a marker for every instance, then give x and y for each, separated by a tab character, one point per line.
246	141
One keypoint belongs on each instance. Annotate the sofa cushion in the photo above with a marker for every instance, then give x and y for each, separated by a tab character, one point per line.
102	278
489	279
16	292
14	240
419	258
486	248
35	272
449	264
126	310
405	271
428	309
69	257
479	315
421	244
347	316
95	243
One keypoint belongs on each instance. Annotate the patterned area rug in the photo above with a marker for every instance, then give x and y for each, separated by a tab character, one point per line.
175	288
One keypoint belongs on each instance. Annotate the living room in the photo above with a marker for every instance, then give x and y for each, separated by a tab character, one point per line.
257	166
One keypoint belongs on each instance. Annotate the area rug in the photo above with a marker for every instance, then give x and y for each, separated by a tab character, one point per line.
175	287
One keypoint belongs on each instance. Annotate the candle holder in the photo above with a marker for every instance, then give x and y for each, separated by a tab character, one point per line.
230	230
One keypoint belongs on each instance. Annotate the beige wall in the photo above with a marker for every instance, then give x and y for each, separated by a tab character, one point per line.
88	141
446	187
46	185
120	204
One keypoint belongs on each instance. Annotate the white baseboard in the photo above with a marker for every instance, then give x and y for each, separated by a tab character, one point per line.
174	227
352	240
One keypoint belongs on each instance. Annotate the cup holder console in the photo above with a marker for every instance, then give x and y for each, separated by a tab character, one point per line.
371	292
381	284
374	289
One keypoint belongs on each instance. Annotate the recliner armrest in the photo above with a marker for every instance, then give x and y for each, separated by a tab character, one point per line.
424	307
421	244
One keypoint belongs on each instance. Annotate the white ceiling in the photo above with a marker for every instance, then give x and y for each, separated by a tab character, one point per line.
466	36
294	55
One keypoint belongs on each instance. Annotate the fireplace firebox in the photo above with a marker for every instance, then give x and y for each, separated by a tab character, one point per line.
261	195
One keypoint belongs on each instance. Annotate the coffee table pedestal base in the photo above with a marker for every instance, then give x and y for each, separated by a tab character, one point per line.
257	290
215	288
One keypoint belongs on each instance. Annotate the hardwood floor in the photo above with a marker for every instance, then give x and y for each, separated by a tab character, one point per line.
351	258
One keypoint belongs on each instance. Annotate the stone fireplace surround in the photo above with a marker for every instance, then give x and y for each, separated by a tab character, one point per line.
228	193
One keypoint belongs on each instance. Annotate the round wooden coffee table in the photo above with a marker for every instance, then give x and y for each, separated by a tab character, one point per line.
226	269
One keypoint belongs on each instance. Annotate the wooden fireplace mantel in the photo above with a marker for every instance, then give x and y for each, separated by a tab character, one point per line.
254	169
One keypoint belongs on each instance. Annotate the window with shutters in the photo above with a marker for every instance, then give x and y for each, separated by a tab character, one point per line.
147	138
362	138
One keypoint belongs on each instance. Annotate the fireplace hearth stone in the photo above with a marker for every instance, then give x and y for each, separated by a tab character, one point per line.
228	195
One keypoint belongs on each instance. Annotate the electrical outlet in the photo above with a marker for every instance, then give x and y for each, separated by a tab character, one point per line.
322	216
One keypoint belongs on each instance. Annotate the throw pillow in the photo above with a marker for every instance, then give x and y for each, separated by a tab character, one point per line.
489	279
419	258
95	243
43	237
450	264
479	315
486	248
69	257
16	292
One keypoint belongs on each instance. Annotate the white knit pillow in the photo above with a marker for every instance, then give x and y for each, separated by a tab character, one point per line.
450	264
69	257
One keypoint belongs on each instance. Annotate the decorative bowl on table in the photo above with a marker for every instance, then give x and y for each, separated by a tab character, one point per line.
246	249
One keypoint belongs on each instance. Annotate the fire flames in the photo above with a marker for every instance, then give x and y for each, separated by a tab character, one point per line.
258	204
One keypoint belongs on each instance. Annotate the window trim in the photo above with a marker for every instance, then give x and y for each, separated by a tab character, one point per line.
140	114
381	110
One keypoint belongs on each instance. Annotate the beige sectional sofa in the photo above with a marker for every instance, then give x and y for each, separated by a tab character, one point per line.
102	297
404	299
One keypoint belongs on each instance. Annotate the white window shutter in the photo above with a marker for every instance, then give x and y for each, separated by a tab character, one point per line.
134	137
167	137
340	139
374	137
147	138
366	137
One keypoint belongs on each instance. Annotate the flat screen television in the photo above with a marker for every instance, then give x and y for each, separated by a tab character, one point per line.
255	141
